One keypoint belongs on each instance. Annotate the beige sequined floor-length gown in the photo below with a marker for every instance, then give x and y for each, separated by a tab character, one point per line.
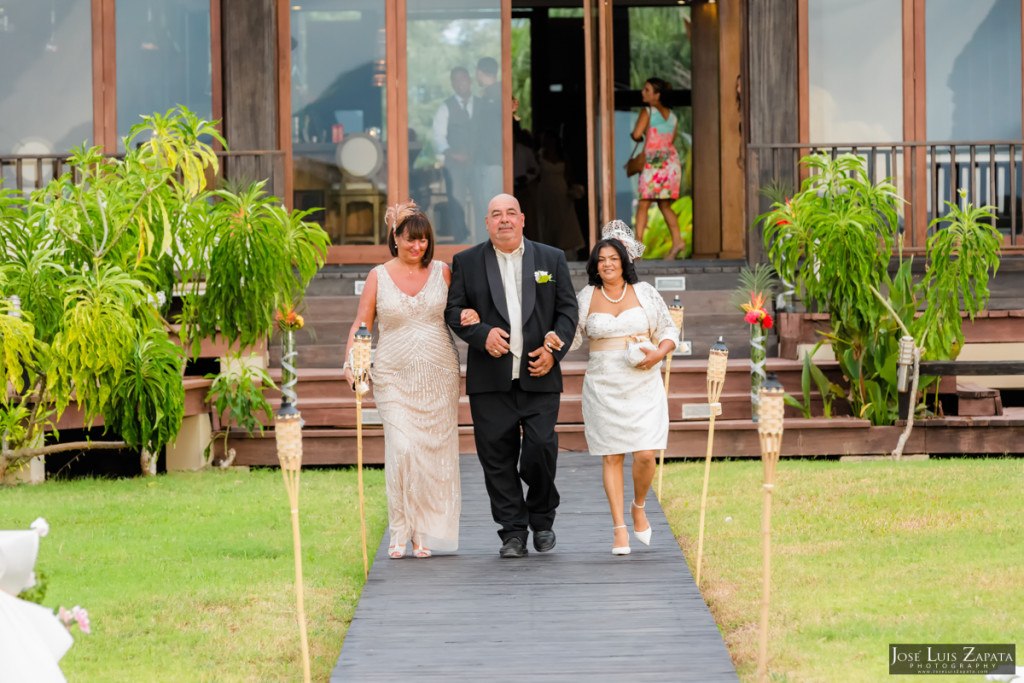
416	387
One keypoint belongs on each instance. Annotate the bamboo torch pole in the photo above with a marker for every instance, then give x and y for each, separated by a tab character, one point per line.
288	433
718	359
769	431
676	311
361	370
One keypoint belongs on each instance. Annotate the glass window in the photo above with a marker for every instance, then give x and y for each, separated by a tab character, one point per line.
45	78
339	117
973	69
455	113
855	68
659	47
163	59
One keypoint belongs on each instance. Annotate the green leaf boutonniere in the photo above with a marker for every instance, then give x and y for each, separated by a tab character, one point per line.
542	276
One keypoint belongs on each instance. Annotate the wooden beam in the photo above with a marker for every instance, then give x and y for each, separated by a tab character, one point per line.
109	79
96	17
707	215
394	82
919	227
605	57
732	151
216	70
591	104
803	72
506	96
284	94
378	253
972	367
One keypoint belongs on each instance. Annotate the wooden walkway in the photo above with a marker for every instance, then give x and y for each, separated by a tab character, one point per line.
573	614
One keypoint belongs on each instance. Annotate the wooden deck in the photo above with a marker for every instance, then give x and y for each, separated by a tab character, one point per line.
575	613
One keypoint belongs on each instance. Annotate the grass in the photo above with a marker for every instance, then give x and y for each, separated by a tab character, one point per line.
190	577
863	555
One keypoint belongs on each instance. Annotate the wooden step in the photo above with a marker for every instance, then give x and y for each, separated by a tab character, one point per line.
733	438
689	378
977	401
341	411
688	440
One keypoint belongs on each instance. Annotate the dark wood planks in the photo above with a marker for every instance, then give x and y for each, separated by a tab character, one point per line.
576	613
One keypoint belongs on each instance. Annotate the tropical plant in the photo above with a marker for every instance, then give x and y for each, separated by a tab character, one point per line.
828	391
91	261
656	237
834	240
237	392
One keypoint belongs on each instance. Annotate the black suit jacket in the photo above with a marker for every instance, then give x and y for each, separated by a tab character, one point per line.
476	283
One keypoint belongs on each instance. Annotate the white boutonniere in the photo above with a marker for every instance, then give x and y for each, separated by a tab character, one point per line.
542	276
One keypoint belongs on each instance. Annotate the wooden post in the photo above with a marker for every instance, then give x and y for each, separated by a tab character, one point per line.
769	431
718	359
676	311
361	368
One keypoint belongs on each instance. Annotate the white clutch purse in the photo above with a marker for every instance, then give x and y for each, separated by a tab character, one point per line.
637	348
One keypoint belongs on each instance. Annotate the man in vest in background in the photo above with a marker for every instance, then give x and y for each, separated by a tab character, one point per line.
488	126
453	139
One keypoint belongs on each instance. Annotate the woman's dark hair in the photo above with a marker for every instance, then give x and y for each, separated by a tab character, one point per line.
628	271
659	85
414	226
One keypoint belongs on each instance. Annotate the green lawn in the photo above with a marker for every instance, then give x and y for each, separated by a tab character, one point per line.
190	577
864	555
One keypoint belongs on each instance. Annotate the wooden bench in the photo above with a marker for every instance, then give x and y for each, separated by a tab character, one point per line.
974	400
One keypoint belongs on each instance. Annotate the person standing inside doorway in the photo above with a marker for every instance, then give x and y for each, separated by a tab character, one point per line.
453	139
659	181
487	127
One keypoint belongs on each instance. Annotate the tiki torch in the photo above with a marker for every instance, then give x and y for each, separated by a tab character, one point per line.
676	311
769	431
288	433
718	359
361	370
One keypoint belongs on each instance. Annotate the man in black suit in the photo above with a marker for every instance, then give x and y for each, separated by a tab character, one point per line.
527	310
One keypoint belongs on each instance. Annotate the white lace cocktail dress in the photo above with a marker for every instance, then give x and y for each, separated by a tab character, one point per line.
624	408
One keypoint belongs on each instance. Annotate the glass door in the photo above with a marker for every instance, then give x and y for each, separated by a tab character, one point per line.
457	112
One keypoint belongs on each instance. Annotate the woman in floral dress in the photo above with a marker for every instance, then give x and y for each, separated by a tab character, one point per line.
659	181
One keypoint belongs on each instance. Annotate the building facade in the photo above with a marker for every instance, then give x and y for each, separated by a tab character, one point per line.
348	105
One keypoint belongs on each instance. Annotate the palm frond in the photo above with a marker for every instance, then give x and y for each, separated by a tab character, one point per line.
760	279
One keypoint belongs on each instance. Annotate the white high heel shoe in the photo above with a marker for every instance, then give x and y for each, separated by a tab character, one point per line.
645	535
622	549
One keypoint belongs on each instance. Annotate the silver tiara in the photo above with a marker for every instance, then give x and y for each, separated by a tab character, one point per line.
623	233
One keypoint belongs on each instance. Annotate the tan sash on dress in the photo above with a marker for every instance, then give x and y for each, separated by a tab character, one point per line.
616	343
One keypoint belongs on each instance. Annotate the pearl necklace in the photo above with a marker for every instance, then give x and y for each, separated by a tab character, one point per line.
625	288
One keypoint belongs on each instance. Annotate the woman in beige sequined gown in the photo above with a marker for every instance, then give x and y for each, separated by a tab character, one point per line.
415	379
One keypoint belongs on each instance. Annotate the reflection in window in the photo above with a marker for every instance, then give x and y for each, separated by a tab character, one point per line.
45	78
855	70
455	113
659	47
973	69
163	59
338	117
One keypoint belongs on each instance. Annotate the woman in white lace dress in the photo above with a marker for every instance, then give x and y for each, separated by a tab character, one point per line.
415	386
624	402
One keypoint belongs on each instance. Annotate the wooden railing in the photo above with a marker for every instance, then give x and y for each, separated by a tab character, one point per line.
926	174
26	172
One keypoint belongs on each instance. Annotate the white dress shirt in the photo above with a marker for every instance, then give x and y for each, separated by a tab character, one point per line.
511	267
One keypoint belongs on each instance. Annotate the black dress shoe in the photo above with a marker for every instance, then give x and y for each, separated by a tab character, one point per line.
513	547
543	541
